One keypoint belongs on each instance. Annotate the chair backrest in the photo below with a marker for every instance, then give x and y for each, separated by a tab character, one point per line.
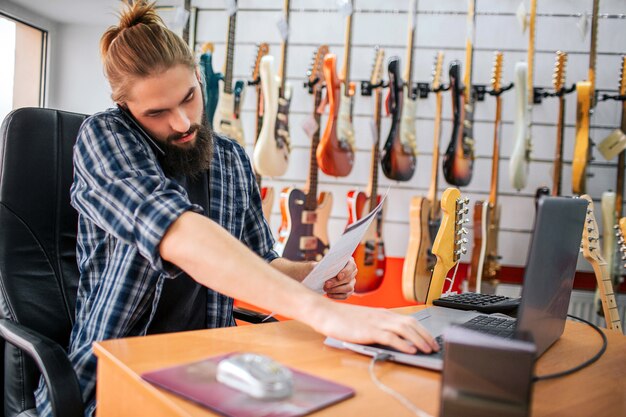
38	271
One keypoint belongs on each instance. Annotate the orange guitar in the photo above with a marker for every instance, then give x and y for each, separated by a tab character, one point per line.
303	233
448	246
267	193
484	265
591	252
424	214
335	153
370	254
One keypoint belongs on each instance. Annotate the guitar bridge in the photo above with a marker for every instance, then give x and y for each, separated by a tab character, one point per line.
308	243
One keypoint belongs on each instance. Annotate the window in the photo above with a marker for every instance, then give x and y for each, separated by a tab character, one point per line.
22	65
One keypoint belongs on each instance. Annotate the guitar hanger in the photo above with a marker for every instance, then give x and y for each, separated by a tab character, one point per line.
541	92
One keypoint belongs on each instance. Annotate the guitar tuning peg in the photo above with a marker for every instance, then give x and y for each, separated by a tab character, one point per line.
466	210
462	231
464	241
466	220
466	200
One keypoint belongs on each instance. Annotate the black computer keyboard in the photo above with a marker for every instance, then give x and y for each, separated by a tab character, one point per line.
496	326
484	303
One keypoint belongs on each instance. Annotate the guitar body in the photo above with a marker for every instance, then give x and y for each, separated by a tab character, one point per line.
458	160
398	159
271	152
520	157
484	265
581	144
297	238
267	202
335	153
370	253
211	85
226	120
419	260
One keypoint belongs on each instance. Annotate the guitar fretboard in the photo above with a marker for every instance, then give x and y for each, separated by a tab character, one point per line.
373	188
469	52
283	51
230	52
408	69
345	74
310	201
593	51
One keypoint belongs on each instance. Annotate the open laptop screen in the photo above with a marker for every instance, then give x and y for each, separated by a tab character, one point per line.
550	269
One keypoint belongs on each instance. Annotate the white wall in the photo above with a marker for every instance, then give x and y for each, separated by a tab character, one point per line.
440	25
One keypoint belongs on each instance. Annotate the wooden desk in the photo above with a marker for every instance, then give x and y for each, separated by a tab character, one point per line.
599	390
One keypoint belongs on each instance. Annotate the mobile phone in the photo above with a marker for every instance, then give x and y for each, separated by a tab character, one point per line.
141	130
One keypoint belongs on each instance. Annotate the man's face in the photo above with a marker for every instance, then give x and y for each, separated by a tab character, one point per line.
169	107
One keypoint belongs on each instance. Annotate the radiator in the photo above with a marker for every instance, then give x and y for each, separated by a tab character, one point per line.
580	305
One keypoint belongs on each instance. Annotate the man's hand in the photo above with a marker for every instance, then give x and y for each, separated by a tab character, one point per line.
342	286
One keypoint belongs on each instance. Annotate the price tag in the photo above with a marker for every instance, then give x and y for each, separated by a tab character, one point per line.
230	6
310	126
521	16
283	28
344	7
613	144
181	15
583	26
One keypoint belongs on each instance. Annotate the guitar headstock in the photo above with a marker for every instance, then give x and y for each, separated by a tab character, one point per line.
207	47
558	78
314	74
622	78
496	76
377	69
591	236
449	242
262	50
437	70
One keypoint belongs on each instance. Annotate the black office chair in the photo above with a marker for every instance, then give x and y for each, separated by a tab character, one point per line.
38	270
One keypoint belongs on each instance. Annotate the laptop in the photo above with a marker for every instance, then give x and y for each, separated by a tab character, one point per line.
548	281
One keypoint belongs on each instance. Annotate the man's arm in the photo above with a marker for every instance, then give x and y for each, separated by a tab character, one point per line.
339	287
214	258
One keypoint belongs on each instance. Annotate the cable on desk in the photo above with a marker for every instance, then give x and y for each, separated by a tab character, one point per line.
403	400
582	365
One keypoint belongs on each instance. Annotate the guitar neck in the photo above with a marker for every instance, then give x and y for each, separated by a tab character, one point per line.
373	185
593	51
621	160
531	52
558	154
345	72
437	279
310	201
408	66
605	286
469	52
230	52
495	166
283	52
259	124
434	174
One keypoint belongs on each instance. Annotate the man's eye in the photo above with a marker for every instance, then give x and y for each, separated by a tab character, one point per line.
155	114
189	97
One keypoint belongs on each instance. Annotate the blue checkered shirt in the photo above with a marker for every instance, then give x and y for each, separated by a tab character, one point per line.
126	204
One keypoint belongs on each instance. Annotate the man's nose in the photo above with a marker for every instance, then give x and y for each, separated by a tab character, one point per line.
179	121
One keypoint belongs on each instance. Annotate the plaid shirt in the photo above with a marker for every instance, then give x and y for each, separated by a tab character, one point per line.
126	204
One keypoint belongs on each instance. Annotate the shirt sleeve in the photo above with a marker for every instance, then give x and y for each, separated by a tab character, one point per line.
256	232
119	185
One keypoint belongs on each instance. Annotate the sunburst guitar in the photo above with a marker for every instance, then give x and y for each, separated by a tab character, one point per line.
370	253
592	253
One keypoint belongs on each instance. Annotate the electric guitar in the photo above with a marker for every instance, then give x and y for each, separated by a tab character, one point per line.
520	157
211	81
558	82
303	233
267	193
591	252
585	102
227	119
484	265
271	153
448	245
370	253
424	214
399	156
335	153
458	161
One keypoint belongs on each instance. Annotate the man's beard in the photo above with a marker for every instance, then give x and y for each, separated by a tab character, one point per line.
192	161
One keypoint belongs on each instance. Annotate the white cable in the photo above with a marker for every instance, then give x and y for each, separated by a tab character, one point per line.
403	400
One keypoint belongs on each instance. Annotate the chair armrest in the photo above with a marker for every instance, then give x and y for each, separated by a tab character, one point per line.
51	359
251	316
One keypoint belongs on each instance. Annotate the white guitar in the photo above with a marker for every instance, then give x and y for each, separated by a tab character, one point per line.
518	165
271	152
227	119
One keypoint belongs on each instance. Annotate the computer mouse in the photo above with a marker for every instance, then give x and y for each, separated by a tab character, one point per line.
256	375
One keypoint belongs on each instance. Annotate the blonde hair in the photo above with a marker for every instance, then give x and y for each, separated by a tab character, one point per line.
140	46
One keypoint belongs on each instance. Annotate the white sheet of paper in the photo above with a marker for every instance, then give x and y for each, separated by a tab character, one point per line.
340	252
